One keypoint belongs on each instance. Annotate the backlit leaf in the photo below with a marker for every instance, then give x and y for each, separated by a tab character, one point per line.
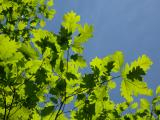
21	25
70	21
7	47
158	90
144	104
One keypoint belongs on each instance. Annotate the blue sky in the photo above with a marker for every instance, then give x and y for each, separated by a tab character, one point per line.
132	26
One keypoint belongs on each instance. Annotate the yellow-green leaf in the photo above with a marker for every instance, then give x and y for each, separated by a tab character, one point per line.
134	105
50	3
7	47
118	60
144	104
21	25
158	90
70	21
42	23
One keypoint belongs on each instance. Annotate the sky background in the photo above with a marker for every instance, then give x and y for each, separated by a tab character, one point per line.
132	26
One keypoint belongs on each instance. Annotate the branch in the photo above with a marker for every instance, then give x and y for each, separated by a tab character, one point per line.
62	109
24	82
5	113
62	102
110	79
16	110
31	76
67	58
74	108
11	105
66	97
5	105
91	89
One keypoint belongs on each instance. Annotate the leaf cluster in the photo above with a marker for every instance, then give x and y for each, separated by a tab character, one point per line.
40	71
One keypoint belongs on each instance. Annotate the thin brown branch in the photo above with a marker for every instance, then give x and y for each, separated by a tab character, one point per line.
57	115
62	102
11	105
67	58
31	75
90	89
5	104
74	108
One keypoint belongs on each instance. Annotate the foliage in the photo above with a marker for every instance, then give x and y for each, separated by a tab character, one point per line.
40	70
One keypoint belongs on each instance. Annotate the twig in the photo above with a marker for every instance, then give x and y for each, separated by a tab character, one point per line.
11	105
91	89
5	105
16	110
67	58
31	76
62	102
74	108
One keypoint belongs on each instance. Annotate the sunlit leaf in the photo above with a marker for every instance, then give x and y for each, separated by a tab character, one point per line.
158	90
70	21
21	25
144	104
7	47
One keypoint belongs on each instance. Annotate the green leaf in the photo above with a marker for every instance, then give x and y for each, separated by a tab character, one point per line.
126	91
28	51
137	68
144	62
157	109
70	75
70	21
51	14
156	100
50	3
98	63
47	110
22	113
101	93
33	65
111	84
61	67
64	38
61	85
144	104
88	80
7	47
79	60
42	23
15	58
130	88
109	67
132	83
136	74
21	25
54	100
35	115
77	48
134	105
158	90
84	34
121	107
118	59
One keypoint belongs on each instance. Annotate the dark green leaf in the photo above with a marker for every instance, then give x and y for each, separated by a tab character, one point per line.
47	110
136	73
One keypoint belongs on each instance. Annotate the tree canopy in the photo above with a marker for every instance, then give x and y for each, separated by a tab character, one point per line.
40	71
